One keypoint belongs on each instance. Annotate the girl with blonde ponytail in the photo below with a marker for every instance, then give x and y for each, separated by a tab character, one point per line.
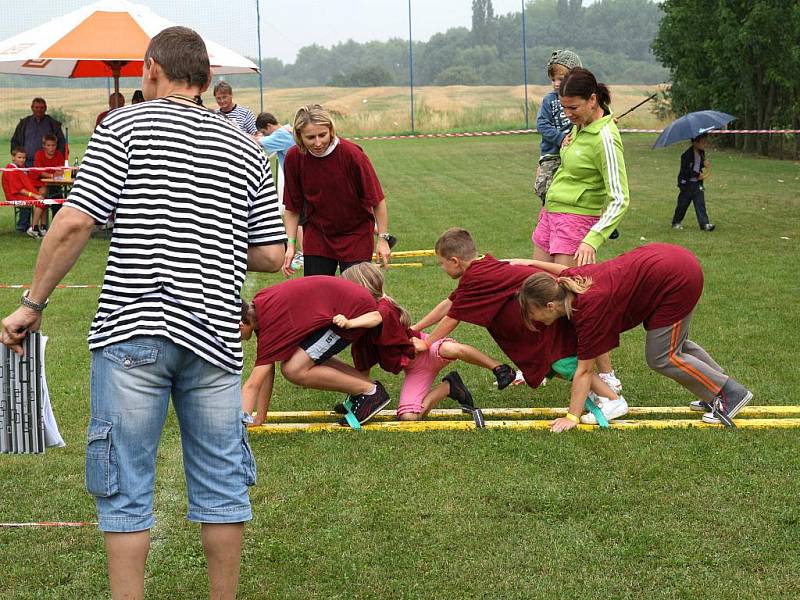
658	286
396	347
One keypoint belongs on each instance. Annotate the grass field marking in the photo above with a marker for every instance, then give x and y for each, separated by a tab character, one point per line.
535	425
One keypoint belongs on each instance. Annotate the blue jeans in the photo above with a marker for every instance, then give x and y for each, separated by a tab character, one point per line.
132	382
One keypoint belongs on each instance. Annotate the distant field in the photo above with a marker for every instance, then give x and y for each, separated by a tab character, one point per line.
359	111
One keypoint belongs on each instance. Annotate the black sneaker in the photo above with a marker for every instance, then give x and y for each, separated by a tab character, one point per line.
459	391
708	227
614	234
339	408
391	240
367	406
505	376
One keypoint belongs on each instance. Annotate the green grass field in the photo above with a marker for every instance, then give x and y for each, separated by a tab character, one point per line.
494	514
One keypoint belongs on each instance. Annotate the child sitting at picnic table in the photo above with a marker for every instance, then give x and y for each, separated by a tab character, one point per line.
48	158
18	186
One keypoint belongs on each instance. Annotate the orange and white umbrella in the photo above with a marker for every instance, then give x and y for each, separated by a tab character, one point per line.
105	39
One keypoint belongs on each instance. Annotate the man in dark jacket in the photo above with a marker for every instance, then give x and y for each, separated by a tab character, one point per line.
29	134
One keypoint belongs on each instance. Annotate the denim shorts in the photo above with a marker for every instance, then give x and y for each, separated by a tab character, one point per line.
132	382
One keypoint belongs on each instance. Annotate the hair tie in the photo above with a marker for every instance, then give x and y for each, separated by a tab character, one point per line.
558	279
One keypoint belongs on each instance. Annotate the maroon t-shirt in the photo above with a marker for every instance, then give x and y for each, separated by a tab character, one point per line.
337	194
388	344
655	284
487	296
290	311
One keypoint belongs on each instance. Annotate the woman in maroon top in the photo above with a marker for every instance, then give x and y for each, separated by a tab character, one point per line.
332	185
657	285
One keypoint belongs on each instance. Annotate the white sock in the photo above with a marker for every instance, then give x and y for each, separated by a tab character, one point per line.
372	390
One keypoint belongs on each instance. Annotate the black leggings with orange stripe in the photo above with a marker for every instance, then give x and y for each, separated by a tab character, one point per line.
669	351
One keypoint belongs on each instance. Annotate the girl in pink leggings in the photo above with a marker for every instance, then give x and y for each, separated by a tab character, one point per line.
396	347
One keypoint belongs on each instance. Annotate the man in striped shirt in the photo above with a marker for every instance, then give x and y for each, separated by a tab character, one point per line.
243	118
195	208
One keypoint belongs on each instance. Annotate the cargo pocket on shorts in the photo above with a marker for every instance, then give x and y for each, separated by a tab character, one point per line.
248	460
102	471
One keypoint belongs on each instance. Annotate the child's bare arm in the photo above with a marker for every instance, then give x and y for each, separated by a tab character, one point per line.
443	329
553	268
257	391
437	314
367	321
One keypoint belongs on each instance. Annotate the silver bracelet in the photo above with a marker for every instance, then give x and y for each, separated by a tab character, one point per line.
38	307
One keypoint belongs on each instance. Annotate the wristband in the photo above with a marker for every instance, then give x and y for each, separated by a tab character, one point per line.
570	417
292	240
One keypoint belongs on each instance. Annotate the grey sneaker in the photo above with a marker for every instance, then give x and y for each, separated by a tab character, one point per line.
677	226
709	227
731	399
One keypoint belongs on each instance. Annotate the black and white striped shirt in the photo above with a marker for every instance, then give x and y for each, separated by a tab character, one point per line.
190	193
243	117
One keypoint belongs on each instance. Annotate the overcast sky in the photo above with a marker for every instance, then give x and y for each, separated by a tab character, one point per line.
286	25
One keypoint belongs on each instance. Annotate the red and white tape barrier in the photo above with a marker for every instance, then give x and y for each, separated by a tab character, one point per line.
51	524
528	131
61	286
39	203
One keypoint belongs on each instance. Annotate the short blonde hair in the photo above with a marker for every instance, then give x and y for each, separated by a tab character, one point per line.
311	114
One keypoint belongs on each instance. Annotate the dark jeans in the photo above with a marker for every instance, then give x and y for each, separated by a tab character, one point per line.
321	265
23	219
691	192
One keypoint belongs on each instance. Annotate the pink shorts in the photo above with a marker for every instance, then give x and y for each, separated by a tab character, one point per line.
561	233
419	376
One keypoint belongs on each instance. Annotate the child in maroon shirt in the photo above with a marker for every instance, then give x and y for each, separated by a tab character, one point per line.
332	184
397	347
293	323
657	285
487	296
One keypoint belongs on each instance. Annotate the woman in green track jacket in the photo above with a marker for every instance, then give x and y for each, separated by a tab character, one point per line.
589	193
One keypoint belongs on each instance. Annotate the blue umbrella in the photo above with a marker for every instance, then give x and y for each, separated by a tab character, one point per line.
692	125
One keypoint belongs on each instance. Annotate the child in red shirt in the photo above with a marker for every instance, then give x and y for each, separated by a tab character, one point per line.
396	347
293	323
49	158
657	285
17	185
487	296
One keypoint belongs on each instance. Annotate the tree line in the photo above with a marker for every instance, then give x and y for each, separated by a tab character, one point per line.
613	38
738	56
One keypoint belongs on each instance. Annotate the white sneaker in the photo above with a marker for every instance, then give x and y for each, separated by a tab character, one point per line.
611	381
31	232
677	226
297	261
611	409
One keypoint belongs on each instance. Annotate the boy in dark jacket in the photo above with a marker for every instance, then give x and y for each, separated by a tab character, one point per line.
695	169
